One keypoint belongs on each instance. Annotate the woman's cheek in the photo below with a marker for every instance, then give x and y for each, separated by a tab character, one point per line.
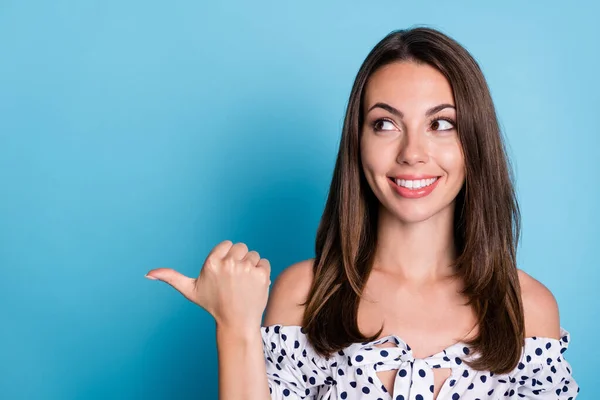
449	155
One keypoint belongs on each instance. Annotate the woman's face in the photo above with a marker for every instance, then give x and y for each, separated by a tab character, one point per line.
411	154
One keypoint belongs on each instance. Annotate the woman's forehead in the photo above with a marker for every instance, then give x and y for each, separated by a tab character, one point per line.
408	85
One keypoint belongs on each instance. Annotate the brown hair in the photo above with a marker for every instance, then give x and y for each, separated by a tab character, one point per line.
487	217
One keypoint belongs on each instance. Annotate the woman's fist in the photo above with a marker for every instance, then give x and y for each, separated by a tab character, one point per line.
233	285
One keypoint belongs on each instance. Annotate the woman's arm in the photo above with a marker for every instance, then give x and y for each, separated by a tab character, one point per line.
241	355
233	287
242	371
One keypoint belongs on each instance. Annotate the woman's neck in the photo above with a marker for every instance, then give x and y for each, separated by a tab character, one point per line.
419	252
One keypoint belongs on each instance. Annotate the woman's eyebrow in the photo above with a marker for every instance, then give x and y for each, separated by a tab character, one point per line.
400	114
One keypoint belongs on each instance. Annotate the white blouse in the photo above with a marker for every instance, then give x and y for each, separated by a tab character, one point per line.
295	371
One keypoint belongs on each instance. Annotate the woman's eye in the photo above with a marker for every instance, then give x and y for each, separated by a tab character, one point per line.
380	125
442	125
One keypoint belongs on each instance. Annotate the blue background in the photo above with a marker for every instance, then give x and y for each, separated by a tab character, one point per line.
139	134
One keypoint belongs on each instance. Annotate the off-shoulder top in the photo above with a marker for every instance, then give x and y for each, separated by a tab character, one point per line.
296	371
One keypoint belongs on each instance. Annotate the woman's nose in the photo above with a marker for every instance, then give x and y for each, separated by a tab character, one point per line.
413	149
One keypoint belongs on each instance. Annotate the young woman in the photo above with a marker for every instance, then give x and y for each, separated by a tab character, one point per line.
414	292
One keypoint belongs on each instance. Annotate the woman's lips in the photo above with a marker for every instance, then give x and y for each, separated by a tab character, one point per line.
411	193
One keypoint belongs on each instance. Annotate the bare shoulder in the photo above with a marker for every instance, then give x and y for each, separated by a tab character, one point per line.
540	308
288	293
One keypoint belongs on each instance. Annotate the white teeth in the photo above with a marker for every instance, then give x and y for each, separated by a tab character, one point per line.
416	184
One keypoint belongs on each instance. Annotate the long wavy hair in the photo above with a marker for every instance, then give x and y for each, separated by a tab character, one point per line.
486	215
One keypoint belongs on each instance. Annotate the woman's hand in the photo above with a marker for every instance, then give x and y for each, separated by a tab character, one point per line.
233	285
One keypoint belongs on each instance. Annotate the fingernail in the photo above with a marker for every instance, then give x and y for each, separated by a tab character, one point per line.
151	277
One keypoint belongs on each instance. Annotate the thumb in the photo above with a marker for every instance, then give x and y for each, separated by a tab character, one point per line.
183	284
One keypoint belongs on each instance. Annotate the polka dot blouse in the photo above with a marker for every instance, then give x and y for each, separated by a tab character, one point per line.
295	371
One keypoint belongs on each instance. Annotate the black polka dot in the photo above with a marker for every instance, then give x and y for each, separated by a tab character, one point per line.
402	373
422	373
366	390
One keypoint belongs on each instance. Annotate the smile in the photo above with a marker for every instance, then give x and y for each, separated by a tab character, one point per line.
416	184
414	189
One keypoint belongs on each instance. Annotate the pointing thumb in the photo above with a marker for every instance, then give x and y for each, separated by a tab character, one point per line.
183	284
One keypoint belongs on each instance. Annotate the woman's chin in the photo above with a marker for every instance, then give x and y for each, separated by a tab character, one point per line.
413	218
412	215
